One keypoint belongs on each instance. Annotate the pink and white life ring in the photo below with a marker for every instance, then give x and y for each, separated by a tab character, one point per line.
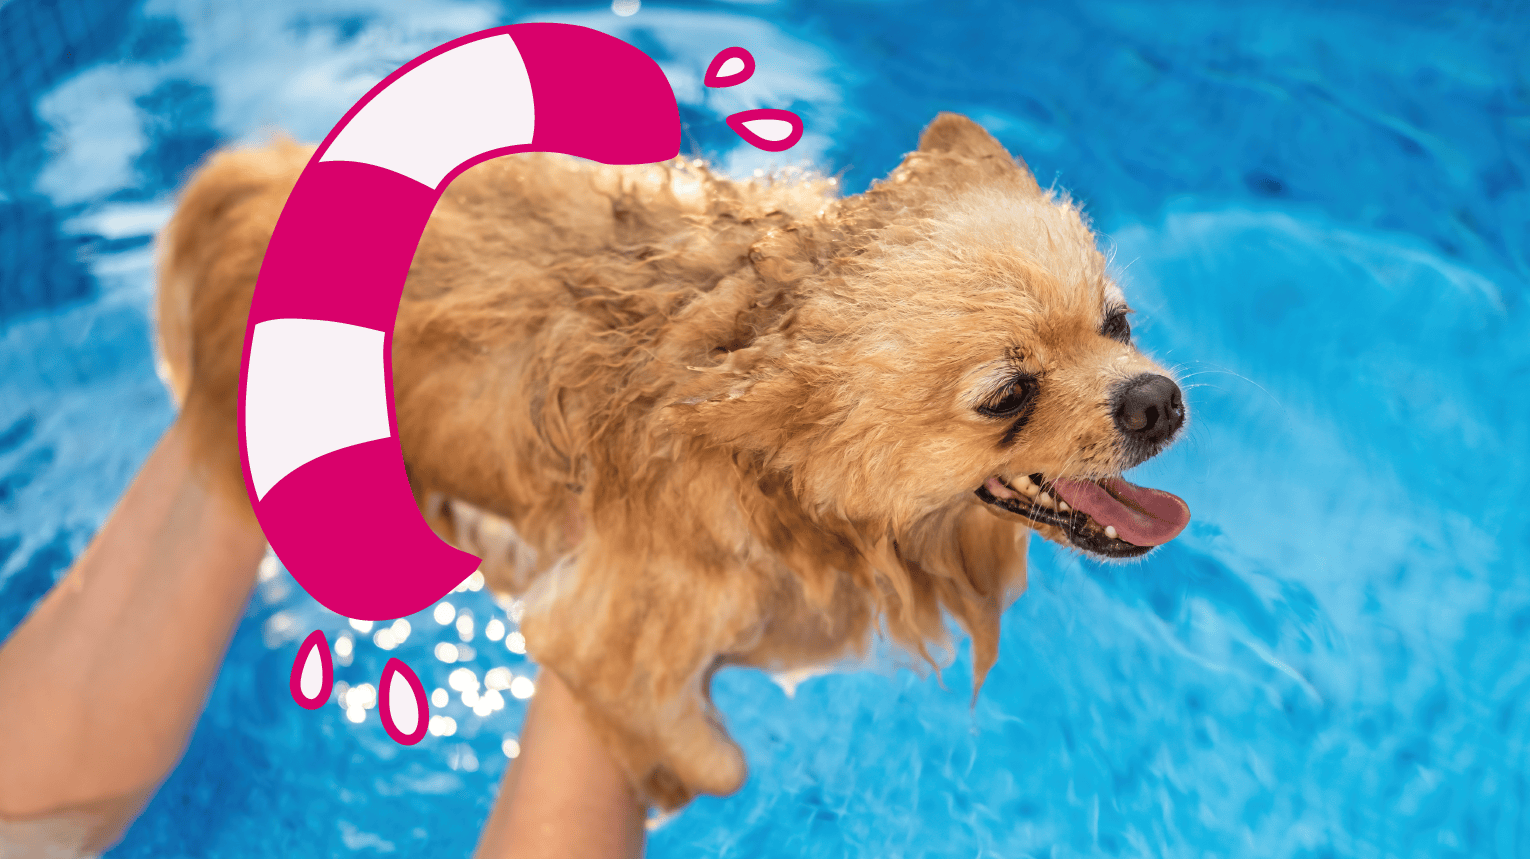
318	430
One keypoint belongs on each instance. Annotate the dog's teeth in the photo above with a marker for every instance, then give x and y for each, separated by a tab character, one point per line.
1110	531
1045	498
1024	482
1062	505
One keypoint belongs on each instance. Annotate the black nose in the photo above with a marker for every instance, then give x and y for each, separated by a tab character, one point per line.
1149	408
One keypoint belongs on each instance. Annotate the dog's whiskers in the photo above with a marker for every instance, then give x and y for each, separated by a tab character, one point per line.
1236	375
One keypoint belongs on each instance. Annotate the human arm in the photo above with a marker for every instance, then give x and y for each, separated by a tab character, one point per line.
102	684
563	797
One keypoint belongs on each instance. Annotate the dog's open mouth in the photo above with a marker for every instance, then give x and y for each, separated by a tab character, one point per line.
1108	517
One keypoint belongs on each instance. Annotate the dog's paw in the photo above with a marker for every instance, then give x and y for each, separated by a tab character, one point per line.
714	765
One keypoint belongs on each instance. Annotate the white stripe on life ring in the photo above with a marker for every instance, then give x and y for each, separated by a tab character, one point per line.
435	117
314	387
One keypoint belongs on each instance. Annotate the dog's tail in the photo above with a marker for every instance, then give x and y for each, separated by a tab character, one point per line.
209	258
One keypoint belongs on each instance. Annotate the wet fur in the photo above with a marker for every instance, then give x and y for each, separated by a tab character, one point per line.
696	422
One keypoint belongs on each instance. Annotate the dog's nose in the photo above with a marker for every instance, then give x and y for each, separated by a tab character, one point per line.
1149	407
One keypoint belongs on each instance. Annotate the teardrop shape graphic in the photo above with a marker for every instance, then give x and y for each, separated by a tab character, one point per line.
313	672
767	128
401	701
731	67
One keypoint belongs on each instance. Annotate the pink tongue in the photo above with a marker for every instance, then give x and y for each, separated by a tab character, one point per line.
1141	516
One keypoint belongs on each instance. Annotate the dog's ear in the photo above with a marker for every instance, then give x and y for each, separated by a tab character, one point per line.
955	155
955	146
958	135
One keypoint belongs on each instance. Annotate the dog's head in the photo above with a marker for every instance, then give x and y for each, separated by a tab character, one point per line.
950	338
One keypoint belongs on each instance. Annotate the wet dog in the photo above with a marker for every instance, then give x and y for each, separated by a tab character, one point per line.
694	422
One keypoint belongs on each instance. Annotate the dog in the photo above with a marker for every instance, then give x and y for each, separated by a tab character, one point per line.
698	423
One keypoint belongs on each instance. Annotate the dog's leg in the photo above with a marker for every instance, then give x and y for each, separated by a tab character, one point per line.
636	641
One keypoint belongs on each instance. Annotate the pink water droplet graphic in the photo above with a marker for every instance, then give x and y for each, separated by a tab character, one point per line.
401	701
731	67
767	128
313	672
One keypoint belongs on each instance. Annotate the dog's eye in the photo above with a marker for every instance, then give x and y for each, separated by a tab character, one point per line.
1116	327
1012	400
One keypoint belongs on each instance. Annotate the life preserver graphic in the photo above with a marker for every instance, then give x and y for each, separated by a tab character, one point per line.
318	431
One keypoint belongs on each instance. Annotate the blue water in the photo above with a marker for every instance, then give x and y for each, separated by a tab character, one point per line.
1320	211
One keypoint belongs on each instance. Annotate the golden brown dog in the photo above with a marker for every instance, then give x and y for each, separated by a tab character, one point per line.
731	423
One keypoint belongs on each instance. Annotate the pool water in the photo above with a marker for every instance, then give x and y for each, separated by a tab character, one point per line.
1320	213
